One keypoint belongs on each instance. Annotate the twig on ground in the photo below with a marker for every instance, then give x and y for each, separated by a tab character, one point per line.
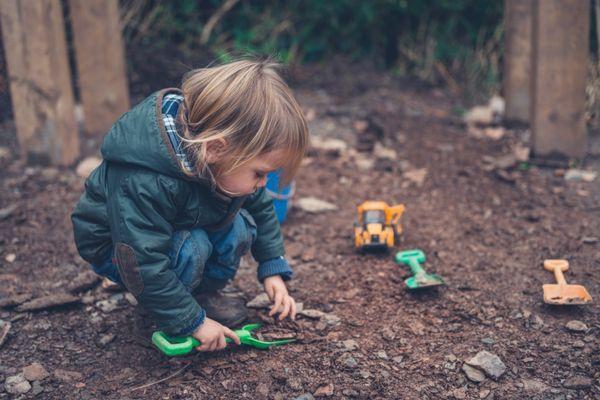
173	375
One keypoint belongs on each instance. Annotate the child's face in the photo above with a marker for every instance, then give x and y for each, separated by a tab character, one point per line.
249	177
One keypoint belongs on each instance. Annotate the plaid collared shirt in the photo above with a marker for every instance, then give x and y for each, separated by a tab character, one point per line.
170	106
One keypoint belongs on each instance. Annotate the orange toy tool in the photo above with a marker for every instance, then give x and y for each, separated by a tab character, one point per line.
378	225
563	293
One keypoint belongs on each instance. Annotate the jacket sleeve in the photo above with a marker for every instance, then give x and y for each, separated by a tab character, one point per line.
139	210
269	243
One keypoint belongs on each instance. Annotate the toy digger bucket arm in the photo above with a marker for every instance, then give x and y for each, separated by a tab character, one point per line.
393	214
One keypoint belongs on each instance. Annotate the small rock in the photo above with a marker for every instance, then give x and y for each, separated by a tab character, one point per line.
67	376
489	363
484	393
332	319
7	211
576	326
388	333
473	374
536	322
305	396
131	299
260	301
578	382
589	240
494	133
36	388
487	340
417	328
106	339
460	393
16	384
324	391
350	393
85	167
108	306
382	354
35	372
578	344
350	344
398	359
11	257
311	313
46	302
534	386
328	144
416	176
580	175
380	151
4	329
348	361
314	205
364	374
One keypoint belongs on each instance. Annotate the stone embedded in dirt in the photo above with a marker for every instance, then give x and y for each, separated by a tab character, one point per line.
85	167
36	388
46	302
416	176
473	374
534	386
324	391
260	301
35	372
351	393
484	393
388	333
332	319
305	396
7	211
314	205
108	305
15	300
85	280
578	382
16	384
487	340
380	151
578	344
4	329
350	344
580	175
294	383
262	389
460	393
576	326
311	313
67	376
489	363
536	322
106	339
417	328
348	361
382	354
11	257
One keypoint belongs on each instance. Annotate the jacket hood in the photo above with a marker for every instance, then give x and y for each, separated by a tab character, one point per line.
139	137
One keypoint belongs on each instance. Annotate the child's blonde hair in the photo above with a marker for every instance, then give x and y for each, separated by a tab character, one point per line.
247	104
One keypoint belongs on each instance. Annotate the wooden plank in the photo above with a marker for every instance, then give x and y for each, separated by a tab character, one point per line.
517	58
40	80
99	56
559	75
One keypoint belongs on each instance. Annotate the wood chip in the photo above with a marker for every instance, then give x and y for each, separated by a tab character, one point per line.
50	301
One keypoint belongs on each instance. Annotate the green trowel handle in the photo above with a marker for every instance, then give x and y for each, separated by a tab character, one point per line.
415	267
176	346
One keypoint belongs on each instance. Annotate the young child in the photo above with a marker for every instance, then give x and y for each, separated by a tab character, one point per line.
180	197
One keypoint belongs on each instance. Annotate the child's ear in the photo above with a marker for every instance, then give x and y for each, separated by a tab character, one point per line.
215	149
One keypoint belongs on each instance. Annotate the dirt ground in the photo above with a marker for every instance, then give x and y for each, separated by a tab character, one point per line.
485	226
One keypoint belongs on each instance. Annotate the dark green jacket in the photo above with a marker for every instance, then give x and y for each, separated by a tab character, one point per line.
137	198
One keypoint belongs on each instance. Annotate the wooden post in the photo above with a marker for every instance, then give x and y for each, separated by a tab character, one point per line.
517	58
559	75
99	56
40	80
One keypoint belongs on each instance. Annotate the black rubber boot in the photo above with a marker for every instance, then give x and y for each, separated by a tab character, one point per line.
227	310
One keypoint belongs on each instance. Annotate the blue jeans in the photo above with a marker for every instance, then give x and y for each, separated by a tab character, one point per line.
202	260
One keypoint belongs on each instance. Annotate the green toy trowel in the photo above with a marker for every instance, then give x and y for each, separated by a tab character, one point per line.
420	279
177	346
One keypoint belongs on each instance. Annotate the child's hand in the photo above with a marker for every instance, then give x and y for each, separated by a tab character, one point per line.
211	336
283	303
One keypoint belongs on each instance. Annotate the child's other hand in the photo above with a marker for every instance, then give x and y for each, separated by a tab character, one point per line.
283	303
211	336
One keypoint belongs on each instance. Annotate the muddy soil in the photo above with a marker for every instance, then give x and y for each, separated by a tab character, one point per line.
485	229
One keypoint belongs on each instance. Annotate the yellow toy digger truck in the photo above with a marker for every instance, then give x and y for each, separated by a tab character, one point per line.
378	225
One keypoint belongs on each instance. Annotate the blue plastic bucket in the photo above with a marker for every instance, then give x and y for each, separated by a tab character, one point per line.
281	196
